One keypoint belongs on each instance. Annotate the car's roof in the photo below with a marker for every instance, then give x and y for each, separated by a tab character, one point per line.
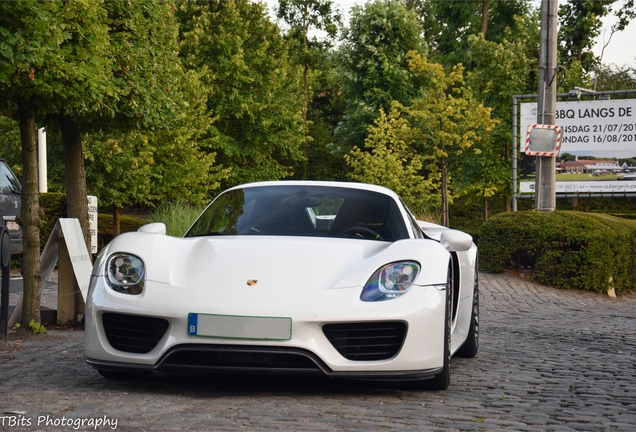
350	185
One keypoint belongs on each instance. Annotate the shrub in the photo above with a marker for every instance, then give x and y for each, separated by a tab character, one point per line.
105	227
177	216
53	207
565	249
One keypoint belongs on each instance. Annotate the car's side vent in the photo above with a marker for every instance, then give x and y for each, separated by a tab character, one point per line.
366	341
133	333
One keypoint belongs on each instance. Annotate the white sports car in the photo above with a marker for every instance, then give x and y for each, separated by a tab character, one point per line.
287	277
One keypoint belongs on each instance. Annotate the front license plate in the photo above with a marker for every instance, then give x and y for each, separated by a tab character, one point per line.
239	327
12	226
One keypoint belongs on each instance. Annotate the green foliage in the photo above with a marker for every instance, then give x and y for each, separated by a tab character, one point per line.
419	150
133	167
105	227
253	91
304	17
453	127
448	25
373	67
144	47
52	208
50	56
615	78
36	328
502	70
178	216
392	161
10	148
564	249
581	22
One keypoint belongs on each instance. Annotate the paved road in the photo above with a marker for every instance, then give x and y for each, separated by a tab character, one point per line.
548	360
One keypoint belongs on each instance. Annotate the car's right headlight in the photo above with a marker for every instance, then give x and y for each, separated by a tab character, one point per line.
390	281
125	273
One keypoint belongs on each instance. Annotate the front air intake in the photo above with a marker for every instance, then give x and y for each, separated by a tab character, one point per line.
366	341
133	333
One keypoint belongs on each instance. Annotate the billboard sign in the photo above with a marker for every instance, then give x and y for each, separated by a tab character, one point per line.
598	134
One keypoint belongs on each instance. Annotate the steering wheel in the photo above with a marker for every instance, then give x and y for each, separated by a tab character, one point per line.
359	231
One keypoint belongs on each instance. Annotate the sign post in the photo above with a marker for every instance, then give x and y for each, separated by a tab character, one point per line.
5	262
545	198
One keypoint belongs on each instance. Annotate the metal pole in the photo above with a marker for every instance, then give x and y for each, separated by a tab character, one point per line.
545	185
42	168
515	145
5	262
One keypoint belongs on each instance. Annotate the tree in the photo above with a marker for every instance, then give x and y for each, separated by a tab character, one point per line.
391	160
452	124
47	61
254	93
448	24
373	67
501	71
613	77
419	150
304	16
147	71
146	167
581	23
301	18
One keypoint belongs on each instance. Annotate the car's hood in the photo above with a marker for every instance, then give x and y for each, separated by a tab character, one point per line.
272	263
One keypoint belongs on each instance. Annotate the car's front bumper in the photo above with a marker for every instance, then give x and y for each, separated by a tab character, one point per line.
308	351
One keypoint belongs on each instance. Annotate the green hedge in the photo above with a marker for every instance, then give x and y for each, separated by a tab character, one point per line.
105	227
565	249
53	207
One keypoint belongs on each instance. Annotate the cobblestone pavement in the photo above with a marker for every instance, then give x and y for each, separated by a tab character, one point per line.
549	360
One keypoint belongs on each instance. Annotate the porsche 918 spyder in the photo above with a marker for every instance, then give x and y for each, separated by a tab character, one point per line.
289	277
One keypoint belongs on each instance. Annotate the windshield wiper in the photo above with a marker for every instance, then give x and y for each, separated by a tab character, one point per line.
216	233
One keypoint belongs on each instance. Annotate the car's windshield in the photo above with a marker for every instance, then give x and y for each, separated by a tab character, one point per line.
286	210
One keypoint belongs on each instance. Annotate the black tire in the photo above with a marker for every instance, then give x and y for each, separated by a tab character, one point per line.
441	381
125	375
471	346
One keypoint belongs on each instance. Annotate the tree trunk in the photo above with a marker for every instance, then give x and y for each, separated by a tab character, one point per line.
484	17
76	195
445	217
485	209
116	228
30	218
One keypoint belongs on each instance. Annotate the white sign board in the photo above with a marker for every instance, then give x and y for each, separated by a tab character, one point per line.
600	128
80	260
603	130
92	220
584	186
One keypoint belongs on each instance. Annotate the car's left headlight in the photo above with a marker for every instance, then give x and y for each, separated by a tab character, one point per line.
390	281
125	273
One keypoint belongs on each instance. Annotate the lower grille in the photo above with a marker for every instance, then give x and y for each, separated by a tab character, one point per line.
133	333
234	357
366	341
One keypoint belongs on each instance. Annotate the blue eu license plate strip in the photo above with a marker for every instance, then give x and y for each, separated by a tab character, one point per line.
239	327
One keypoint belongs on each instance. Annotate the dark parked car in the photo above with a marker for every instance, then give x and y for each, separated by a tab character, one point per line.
10	205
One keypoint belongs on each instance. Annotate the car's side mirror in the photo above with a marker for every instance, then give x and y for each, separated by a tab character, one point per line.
456	241
154	228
